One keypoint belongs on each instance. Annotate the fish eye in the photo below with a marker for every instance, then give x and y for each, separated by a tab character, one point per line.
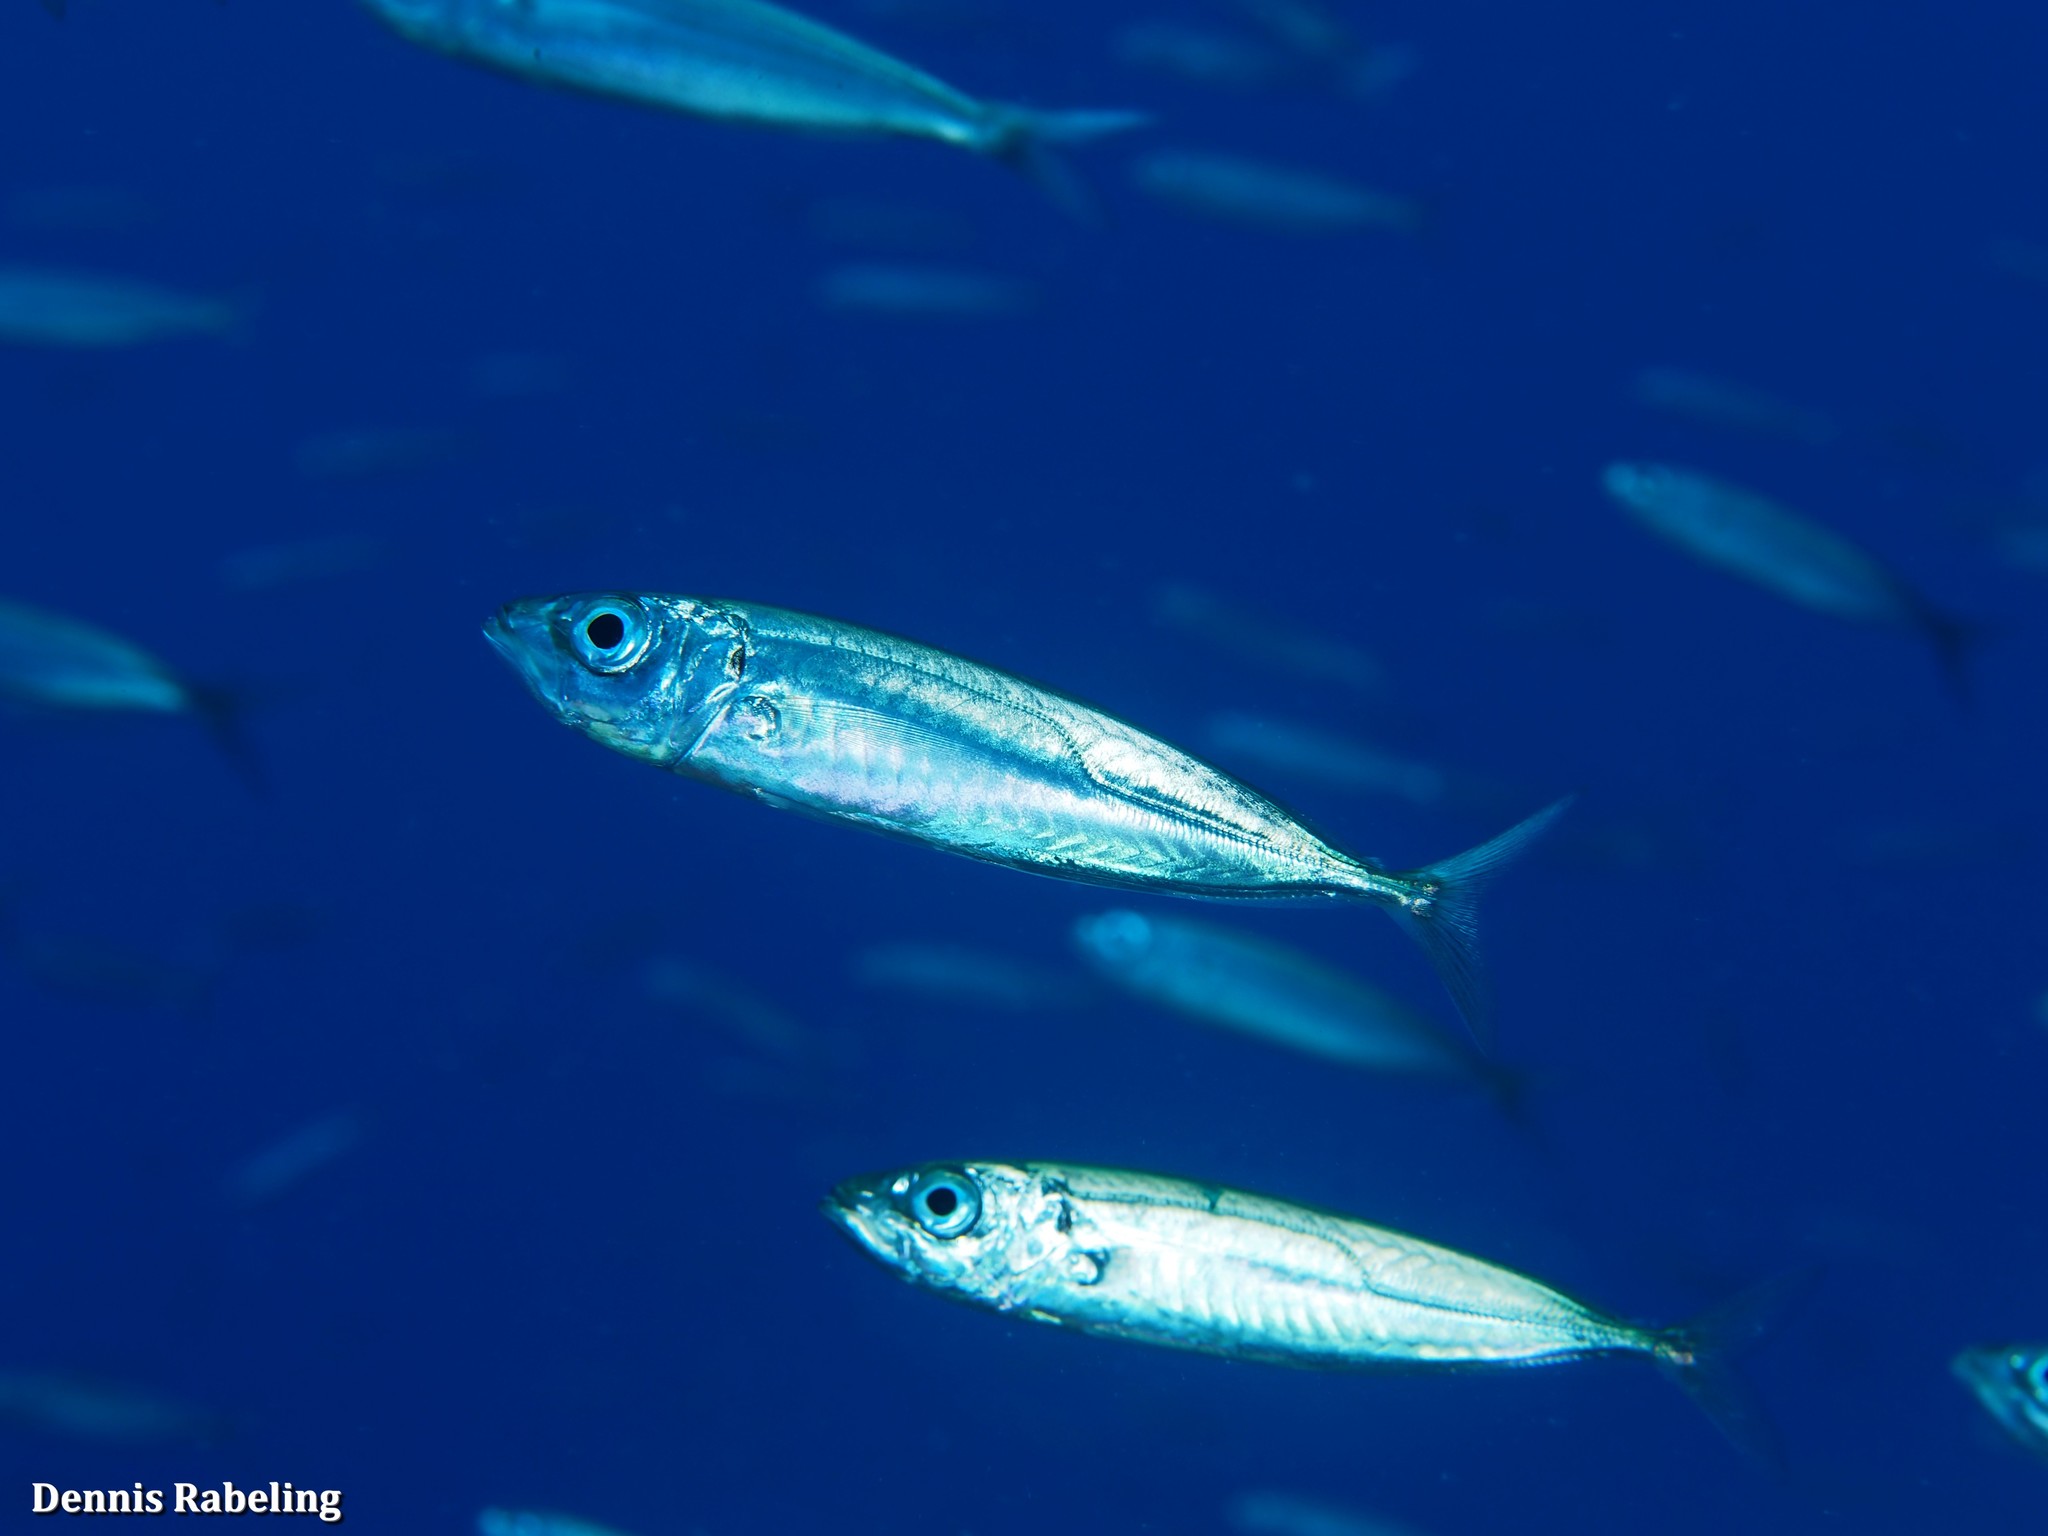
611	634
2035	1372
945	1203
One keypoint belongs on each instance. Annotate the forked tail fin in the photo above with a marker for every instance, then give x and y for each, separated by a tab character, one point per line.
1025	140
223	711
1444	916
1954	642
1699	1356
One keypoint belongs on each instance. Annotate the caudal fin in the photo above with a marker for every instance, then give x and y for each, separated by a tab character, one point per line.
1444	917
1698	1356
1025	141
224	711
1954	642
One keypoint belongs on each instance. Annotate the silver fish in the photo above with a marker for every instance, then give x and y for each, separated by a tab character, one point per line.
1266	641
2012	1383
1259	193
59	663
1751	536
48	661
1269	1513
280	1166
536	1522
1717	402
1202	55
968	977
87	1408
949	293
1255	987
1310	753
741	61
1197	1267
814	715
42	307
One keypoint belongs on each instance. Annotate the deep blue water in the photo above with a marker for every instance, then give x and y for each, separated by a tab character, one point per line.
1776	979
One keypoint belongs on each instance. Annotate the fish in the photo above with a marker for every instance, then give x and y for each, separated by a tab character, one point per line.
748	62
51	662
2011	1381
40	306
1267	641
1198	1267
269	566
1717	402
280	1166
951	293
1201	55
1270	1513
2024	546
86	1408
536	1522
848	724
362	453
110	975
1782	551
72	210
1310	753
958	974
1264	195
1253	986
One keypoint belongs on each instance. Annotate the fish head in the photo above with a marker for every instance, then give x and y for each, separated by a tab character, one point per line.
973	1231
1114	941
645	675
1636	486
2012	1382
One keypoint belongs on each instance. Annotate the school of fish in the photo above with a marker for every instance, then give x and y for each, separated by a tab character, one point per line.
856	726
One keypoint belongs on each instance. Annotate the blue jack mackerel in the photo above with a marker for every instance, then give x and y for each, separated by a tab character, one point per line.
819	716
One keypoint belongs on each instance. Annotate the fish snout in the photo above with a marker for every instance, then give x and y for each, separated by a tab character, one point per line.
860	1208
521	636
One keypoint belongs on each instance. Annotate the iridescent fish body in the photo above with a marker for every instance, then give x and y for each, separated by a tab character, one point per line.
739	61
848	724
1750	536
1198	1267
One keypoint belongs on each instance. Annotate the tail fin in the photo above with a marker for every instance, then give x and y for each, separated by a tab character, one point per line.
1509	1088
1698	1355
223	712
1024	141
1954	642
1445	916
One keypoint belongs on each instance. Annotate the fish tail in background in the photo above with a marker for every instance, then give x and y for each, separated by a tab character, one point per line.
1954	641
1699	1356
1509	1088
225	712
1445	917
1024	140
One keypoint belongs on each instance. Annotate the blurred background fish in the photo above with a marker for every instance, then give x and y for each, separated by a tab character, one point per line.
1260	194
42	306
49	662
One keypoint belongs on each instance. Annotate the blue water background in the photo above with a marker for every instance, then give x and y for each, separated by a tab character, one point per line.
575	1261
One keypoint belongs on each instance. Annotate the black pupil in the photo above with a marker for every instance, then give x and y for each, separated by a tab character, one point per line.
605	630
941	1201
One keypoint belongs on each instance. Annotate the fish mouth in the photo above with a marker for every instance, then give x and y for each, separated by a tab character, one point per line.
525	646
852	1208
